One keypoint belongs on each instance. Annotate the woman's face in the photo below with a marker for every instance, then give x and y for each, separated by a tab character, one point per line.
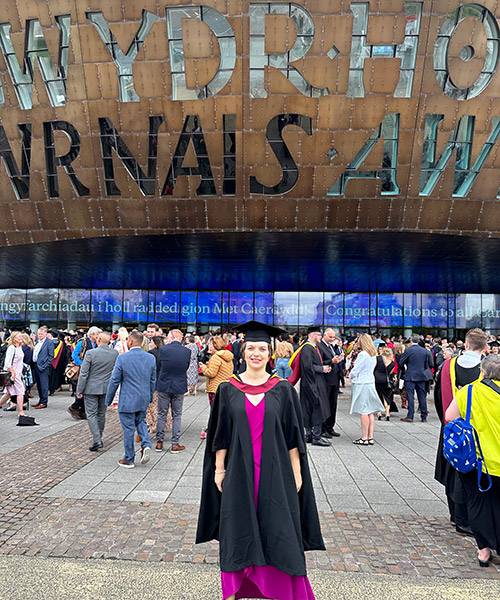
18	340
256	355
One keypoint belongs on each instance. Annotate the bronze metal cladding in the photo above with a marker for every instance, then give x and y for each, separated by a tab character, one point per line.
133	118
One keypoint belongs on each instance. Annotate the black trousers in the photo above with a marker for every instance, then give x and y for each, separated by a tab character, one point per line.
484	511
333	394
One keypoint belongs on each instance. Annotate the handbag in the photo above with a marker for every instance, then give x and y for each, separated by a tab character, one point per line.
25	421
5	379
72	372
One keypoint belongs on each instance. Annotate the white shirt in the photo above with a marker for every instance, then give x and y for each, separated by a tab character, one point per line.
37	349
469	359
364	365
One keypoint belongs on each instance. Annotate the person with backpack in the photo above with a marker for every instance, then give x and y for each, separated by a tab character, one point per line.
479	403
454	374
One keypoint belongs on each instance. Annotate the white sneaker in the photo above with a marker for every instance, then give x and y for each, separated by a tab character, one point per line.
145	455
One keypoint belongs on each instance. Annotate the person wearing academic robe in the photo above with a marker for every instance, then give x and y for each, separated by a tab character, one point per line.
454	374
313	389
58	364
257	497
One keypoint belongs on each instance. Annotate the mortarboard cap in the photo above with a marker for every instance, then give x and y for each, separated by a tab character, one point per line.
314	329
259	332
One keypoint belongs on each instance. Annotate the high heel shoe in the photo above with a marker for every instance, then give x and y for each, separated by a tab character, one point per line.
485	563
379	417
388	418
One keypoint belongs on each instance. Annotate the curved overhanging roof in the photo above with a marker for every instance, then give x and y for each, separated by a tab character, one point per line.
362	261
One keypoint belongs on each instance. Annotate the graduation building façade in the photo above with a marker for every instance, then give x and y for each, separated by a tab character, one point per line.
203	164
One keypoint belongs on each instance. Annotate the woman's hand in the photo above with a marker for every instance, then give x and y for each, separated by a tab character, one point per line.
298	481
219	479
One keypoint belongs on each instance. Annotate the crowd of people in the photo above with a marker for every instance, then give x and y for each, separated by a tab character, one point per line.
146	376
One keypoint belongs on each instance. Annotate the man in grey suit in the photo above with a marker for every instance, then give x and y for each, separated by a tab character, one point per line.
135	373
93	380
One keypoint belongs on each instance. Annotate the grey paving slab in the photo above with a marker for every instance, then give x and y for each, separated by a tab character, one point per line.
51	420
396	473
147	496
392	509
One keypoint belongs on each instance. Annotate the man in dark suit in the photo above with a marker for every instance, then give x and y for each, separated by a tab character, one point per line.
171	385
93	380
332	356
43	354
417	362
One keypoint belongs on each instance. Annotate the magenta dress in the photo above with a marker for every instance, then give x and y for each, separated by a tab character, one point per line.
262	581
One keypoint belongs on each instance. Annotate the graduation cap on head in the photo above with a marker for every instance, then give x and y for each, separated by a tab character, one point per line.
314	329
259	332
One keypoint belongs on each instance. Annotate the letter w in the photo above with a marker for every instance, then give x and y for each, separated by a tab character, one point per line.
460	140
35	49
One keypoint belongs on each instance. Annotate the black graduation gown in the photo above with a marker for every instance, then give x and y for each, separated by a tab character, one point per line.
443	471
313	390
285	523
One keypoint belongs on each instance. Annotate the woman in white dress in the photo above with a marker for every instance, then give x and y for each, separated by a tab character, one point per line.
365	400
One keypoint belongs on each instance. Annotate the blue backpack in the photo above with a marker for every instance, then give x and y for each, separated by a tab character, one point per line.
460	441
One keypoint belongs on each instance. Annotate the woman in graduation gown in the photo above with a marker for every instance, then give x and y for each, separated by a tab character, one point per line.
257	496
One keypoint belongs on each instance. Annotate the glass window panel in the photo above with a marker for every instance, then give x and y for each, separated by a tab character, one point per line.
357	310
136	306
209	309
360	18
258	56
333	308
310	308
373	310
107	305
74	305
227	53
383	51
412	310
435	310
490	311
404	85
264	307
286	308
468	311
13	304
175	17
240	307
42	304
188	307
359	51
167	306
257	18
390	310
179	89
177	56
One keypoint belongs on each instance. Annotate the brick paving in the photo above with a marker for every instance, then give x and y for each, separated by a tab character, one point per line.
36	522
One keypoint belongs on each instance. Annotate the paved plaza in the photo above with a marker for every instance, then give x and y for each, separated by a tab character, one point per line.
382	513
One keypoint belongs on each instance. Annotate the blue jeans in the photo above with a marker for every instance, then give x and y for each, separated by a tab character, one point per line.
282	368
421	388
130	422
